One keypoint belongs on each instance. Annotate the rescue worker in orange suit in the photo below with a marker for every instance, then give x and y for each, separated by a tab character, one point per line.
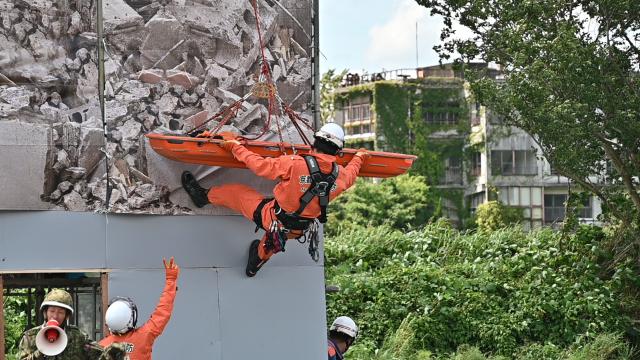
342	334
306	185
122	315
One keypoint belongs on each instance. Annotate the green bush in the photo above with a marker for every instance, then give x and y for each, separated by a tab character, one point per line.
401	202
494	215
15	316
503	292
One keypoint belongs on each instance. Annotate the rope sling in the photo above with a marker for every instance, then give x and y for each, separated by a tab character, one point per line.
264	88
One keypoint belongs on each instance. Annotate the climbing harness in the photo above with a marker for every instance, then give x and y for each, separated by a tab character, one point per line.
321	187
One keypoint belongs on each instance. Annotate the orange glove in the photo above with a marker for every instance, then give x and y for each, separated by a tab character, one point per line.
229	140
204	134
171	269
229	144
363	153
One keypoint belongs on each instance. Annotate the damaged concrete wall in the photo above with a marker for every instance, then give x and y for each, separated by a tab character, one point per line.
169	65
52	132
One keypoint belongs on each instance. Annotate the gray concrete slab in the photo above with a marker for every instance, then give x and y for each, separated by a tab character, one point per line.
199	241
279	314
194	330
24	152
52	240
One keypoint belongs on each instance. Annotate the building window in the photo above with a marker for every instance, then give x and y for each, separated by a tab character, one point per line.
441	118
554	208
366	112
357	112
513	162
354	113
476	164
528	199
452	171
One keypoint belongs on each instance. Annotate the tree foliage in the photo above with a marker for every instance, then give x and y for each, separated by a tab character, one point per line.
15	316
571	81
428	292
402	202
494	215
328	85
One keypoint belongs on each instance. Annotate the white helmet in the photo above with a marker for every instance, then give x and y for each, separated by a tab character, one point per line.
345	325
121	316
332	133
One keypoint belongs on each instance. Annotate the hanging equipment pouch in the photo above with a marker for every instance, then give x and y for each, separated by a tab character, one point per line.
276	240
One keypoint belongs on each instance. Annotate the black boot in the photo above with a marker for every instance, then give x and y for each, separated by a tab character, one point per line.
197	193
254	263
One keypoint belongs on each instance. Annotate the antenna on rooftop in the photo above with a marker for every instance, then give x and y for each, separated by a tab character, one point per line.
417	63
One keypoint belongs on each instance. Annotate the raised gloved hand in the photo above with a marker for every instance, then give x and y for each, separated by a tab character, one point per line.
229	144
229	140
204	134
363	153
171	269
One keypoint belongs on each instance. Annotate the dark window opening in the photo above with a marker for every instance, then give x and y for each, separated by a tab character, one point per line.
514	162
476	164
24	293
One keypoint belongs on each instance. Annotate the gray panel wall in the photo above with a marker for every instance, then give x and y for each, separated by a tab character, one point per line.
219	313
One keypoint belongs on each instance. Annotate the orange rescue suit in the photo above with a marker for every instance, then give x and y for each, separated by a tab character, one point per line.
139	342
293	175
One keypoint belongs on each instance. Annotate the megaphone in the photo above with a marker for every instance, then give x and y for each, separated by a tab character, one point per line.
51	339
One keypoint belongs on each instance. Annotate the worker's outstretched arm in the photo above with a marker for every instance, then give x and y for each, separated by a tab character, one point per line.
161	315
270	168
353	167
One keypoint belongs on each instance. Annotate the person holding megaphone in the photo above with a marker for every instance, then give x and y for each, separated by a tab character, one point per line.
57	339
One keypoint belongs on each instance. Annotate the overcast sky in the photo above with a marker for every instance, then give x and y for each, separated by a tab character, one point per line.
374	35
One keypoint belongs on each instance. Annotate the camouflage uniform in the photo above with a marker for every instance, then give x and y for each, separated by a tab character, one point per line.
79	346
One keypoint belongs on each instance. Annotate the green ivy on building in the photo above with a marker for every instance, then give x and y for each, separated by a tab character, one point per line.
401	110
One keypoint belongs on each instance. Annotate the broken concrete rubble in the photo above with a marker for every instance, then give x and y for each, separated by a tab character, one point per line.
74	202
169	67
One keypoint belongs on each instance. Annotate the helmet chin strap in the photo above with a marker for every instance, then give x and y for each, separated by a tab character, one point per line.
349	342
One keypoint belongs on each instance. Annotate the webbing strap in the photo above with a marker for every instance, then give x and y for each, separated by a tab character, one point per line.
321	185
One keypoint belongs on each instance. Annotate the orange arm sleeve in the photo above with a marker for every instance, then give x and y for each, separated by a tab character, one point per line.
351	171
161	315
270	168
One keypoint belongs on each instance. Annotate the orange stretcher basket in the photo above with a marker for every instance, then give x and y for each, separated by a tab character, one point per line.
207	151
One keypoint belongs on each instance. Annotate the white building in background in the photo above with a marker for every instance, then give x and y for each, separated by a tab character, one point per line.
501	162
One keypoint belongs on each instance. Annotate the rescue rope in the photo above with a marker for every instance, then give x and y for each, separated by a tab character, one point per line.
264	88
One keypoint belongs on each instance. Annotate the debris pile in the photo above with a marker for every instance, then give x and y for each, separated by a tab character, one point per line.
169	66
